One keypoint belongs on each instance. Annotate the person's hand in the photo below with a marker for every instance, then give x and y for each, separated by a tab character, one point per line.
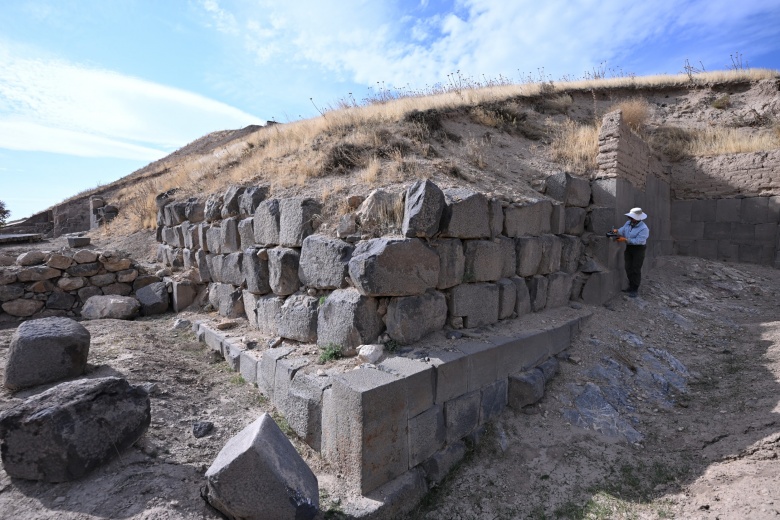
622	239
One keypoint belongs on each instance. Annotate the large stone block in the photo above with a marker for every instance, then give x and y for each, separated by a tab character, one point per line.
227	300
283	266
681	210
507	297
268	310
299	318
523	297
482	362
571	252
246	232
526	388
202	231
571	190
559	289
113	307
496	217
230	201
254	267
522	351
259	475
46	350
366	403
494	400
266	223
419	379
229	240
476	303
348	319
426	434
601	220
229	269
213	208
410	318
529	255
507	251
462	415
687	230
183	294
537	290
201	261
37	273
754	210
59	300
484	261
250	307
394	267
214	238
423	209
552	248
250	200
528	219
69	430
465	214
266	369
728	210
600	287
703	210
303	407
324	262
298	219
719	230
575	221
558	219
154	299
452	262
452	369
190	233
194	211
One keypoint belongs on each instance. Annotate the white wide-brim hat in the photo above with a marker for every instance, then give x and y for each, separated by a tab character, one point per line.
637	214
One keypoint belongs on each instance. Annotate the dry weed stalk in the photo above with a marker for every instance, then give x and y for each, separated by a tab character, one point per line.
718	141
635	111
576	146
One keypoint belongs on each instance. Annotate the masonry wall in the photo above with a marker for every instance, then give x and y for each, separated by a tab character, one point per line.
731	229
726	176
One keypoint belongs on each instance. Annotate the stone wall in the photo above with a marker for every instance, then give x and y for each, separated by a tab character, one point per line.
40	284
736	229
723	176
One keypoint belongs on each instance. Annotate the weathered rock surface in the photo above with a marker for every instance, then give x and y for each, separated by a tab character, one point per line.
258	475
116	307
22	307
348	319
324	262
465	214
46	350
298	219
283	264
299	318
394	267
227	300
410	318
423	209
266	223
154	299
69	430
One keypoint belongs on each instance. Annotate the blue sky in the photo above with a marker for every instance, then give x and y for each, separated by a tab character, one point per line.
91	90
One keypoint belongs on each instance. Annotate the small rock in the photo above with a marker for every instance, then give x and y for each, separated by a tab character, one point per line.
181	324
225	325
151	388
321	372
162	273
575	359
453	334
202	428
312	292
370	353
575	305
275	342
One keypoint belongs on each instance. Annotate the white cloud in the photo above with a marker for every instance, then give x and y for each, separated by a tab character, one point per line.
57	106
385	41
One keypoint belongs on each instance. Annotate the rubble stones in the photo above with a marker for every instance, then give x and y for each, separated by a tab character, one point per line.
31	258
259	475
85	256
69	430
46	350
22	308
37	272
423	209
60	262
11	292
393	267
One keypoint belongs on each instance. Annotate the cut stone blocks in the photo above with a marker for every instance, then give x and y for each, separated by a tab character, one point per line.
558	219
259	475
183	295
496	214
704	210
266	223
462	415
46	350
426	434
523	298
537	290
525	388
303	407
214	238
248	365
529	255
266	369
465	214
268	311
254	268
476	303
419	380
229	269
246	234
283	264
348	319
558	289
324	262
600	287
528	219
213	208
230	201
250	200
366	403
299	318
297	220
441	463
507	297
571	190
410	318
228	238
551	254
423	209
484	262
728	210
227	300
522	352
452	368
602	220
452	262
482	363
393	267
494	400
571	252
575	221
507	251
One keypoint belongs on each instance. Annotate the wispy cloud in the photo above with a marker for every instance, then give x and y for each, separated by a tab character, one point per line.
420	43
57	106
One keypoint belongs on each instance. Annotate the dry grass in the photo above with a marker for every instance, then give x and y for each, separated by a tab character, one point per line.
718	141
576	145
636	112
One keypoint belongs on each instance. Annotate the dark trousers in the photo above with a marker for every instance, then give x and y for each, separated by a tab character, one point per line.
634	257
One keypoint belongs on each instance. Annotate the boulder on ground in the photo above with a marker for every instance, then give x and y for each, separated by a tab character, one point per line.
259	475
69	430
46	350
154	299
116	307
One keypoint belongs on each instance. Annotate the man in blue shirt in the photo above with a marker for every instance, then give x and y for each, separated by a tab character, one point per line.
635	234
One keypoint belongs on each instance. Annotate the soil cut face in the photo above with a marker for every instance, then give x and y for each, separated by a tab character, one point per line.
697	439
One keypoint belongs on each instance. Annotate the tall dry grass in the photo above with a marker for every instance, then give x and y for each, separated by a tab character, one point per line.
718	141
636	111
576	145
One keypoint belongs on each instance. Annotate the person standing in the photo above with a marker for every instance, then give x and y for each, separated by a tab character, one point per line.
635	234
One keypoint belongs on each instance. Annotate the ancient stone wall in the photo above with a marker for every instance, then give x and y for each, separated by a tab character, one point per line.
40	284
732	229
724	176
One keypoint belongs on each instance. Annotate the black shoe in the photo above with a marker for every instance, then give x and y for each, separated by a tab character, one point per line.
633	294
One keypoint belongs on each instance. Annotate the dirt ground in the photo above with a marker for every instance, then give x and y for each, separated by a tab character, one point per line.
708	451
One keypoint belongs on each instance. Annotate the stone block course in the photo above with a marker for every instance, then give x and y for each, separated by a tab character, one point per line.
255	271
297	220
419	380
476	303
462	415
452	368
507	298
324	262
484	260
266	223
423	209
393	267
465	214
410	318
299	318
537	291
348	319
571	190
529	255
527	219
426	434
494	400
452	262
728	210
574	221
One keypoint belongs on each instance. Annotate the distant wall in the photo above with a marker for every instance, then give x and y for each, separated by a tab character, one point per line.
735	229
744	174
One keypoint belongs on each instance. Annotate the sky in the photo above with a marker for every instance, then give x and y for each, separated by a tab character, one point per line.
92	90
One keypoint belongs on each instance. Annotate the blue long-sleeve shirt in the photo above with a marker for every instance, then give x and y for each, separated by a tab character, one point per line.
637	235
